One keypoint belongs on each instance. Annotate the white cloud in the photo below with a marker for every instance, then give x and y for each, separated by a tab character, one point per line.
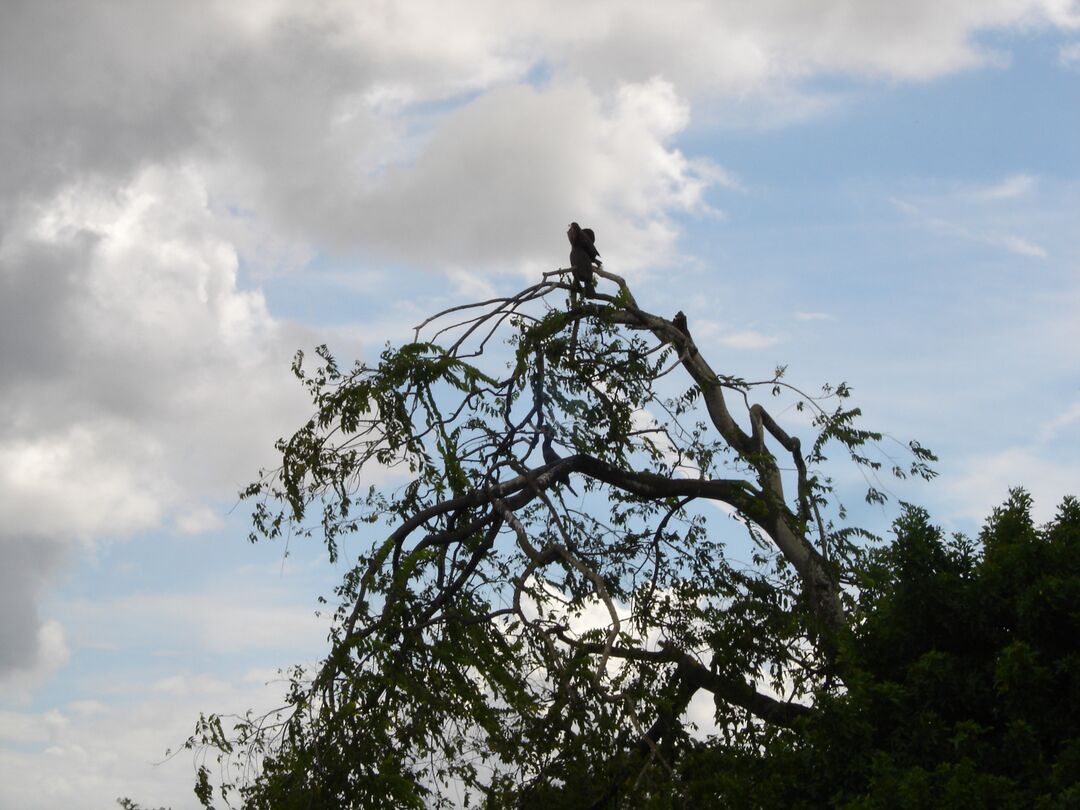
110	740
1051	428
707	331
747	339
73	480
313	118
238	620
198	520
949	226
21	728
1069	55
470	287
983	482
498	178
1018	245
1015	185
738	47
904	206
140	378
86	754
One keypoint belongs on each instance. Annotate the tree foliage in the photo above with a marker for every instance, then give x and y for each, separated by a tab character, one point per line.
961	674
504	642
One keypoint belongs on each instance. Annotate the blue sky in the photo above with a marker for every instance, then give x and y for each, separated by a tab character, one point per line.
881	194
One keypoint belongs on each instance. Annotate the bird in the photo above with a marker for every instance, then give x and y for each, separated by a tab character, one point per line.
550	456
583	256
679	322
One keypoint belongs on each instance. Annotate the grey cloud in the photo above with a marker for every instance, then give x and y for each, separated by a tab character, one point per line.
737	48
37	287
137	378
28	566
312	104
131	363
497	179
494	183
95	88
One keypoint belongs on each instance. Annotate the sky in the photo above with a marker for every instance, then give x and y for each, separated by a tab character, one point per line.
879	192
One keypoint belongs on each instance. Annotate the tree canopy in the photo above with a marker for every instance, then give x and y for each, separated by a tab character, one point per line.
960	681
579	525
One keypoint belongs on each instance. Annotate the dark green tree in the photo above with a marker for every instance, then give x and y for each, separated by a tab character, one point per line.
128	804
962	681
506	643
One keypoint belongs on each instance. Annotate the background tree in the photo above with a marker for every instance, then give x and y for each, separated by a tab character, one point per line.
961	672
466	657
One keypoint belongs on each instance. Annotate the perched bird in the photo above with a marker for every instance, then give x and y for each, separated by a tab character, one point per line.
583	256
550	456
680	322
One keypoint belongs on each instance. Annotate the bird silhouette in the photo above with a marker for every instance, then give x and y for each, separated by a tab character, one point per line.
550	456
680	322
583	256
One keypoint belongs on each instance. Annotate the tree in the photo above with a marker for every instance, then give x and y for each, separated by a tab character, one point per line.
128	804
466	661
961	673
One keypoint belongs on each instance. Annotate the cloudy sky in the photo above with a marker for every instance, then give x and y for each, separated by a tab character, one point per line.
881	192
